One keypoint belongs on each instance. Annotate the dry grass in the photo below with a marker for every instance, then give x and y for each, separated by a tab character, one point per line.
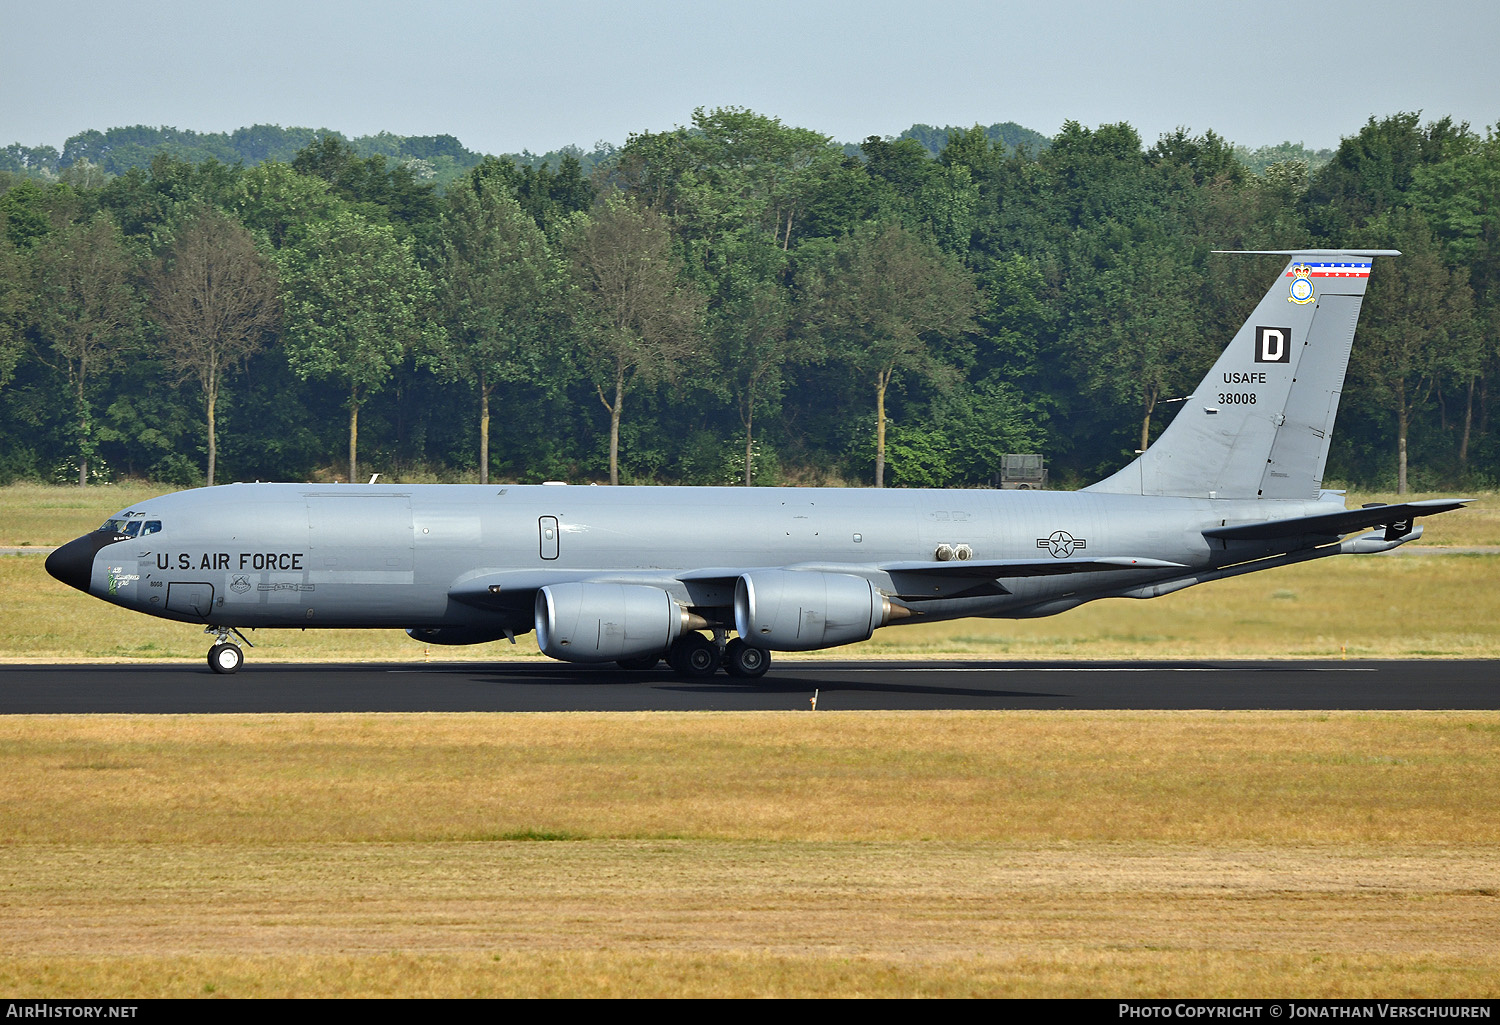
887	854
706	919
1197	777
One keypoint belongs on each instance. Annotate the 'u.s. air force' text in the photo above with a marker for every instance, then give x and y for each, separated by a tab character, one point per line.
227	560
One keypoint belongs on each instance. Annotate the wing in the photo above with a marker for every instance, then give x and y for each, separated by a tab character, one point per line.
917	581
515	590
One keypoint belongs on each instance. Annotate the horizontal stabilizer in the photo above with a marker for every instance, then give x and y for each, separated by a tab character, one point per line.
1307	252
1336	524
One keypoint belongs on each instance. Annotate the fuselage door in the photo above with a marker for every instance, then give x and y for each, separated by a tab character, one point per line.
190	598
547	528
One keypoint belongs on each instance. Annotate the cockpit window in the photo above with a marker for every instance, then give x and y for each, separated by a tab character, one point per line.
131	525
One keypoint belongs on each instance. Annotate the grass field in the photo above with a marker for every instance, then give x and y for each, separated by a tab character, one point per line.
778	854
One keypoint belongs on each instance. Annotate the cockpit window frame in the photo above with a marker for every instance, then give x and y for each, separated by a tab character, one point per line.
130	524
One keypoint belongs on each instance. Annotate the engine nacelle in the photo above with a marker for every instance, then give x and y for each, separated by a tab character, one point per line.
791	610
580	622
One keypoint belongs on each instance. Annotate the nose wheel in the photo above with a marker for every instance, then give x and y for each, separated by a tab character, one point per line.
225	657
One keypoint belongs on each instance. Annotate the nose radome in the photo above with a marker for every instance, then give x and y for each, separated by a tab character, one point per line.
73	563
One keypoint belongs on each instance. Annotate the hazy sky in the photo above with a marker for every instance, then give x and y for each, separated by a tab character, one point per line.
504	76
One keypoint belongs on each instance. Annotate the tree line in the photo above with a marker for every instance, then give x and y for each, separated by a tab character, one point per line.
736	301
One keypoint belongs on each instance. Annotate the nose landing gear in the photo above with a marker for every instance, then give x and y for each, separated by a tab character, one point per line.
225	656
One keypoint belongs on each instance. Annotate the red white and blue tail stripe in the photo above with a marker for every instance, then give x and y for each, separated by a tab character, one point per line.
1334	269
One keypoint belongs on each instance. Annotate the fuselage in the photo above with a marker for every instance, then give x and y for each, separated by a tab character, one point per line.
300	555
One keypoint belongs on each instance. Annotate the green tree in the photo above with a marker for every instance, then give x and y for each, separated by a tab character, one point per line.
87	311
1136	335
734	173
1203	158
885	295
759	170
215	299
278	205
750	324
550	199
386	195
148	203
1090	177
1418	327
15	297
355	301
1372	171
637	319
1460	199
498	285
23	214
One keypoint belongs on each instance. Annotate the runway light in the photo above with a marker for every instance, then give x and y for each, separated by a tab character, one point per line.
813	701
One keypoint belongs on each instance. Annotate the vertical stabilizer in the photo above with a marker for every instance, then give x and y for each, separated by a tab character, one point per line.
1259	424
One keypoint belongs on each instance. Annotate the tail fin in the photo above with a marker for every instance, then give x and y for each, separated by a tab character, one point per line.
1259	424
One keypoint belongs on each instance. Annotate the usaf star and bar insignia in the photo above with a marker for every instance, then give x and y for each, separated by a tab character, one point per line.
1061	544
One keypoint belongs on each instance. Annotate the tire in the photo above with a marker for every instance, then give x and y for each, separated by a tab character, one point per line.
745	662
694	655
639	662
225	658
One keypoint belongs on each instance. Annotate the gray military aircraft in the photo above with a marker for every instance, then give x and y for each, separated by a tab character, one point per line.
636	574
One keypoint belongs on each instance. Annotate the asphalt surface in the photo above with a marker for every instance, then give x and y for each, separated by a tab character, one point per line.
551	686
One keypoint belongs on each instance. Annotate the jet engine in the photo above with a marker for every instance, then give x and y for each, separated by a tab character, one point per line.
792	610
584	622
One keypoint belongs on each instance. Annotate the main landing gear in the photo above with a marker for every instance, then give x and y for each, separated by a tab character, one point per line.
225	656
696	656
745	662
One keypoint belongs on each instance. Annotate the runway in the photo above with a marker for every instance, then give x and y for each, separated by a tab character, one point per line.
790	685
